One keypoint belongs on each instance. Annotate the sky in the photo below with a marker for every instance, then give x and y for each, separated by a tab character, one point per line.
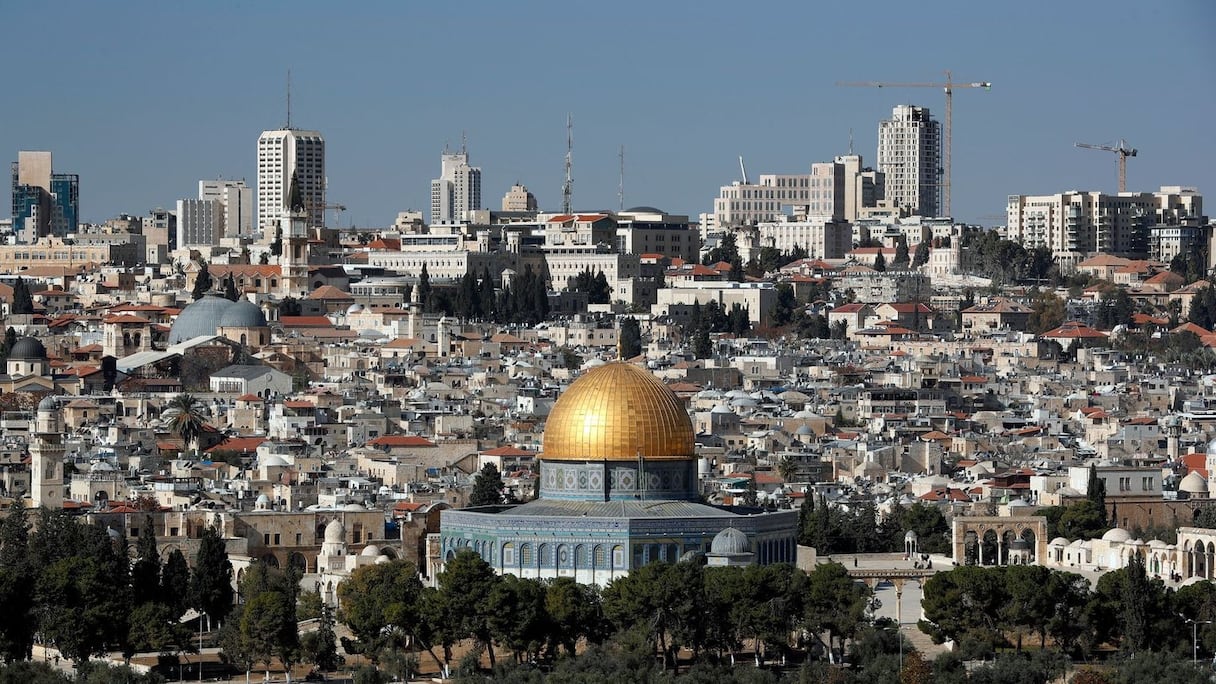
144	99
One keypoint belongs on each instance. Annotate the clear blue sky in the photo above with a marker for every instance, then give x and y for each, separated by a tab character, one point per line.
143	99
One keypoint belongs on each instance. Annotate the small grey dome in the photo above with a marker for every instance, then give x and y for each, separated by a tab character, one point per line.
199	319
27	349
730	541
910	535
243	314
47	404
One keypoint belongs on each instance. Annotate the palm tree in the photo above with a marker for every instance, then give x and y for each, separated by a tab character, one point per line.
187	416
787	467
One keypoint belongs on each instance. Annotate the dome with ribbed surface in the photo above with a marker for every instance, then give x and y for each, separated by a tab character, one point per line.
243	314
199	319
618	412
730	541
27	349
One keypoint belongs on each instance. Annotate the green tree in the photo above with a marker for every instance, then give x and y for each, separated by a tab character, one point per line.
211	579
17	577
1096	492
82	593
202	283
785	307
880	263
424	289
262	626
145	572
835	604
230	292
154	629
575	613
702	346
901	253
631	337
726	250
519	619
466	583
381	605
964	605
921	256
186	416
290	306
23	299
320	648
487	487
1046	313
175	583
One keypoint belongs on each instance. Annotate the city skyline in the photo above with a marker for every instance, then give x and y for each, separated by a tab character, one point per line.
386	89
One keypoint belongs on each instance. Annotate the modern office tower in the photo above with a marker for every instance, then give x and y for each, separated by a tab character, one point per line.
237	200
910	154
457	190
518	199
283	153
44	203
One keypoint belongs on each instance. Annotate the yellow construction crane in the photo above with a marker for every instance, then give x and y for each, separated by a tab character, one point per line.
1122	150
948	87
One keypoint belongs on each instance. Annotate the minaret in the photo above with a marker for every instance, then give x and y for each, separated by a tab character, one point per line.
46	457
294	260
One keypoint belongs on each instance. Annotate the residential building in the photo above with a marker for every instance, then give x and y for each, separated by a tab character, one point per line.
909	154
282	154
1077	224
457	191
43	202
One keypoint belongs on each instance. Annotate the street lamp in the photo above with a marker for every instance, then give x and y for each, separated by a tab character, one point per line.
1195	635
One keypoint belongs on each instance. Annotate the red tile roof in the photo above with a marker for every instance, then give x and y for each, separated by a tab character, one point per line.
401	441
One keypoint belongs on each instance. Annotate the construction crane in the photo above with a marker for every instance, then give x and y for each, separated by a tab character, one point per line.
743	169
1122	150
948	87
338	208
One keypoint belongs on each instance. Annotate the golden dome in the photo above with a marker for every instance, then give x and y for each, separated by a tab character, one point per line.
616	412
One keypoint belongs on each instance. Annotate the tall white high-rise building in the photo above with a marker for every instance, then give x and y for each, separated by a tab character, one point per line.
910	154
281	153
457	191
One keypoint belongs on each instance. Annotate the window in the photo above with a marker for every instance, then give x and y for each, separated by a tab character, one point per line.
276	540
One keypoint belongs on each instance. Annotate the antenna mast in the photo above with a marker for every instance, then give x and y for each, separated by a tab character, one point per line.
620	191
289	99
568	185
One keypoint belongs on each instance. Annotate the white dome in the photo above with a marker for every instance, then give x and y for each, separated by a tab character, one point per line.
335	531
1059	541
1193	483
274	460
1117	535
371	550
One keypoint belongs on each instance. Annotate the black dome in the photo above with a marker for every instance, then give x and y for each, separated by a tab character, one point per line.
27	349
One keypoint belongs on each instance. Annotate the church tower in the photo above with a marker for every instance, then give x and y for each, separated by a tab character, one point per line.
293	261
46	457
